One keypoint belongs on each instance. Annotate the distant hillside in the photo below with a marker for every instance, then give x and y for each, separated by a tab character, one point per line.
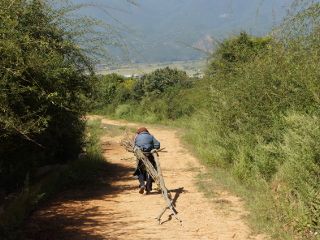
169	30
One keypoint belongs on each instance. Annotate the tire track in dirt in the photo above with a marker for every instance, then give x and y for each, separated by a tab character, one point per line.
118	211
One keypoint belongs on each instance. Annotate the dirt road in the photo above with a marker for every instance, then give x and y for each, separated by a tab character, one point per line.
118	211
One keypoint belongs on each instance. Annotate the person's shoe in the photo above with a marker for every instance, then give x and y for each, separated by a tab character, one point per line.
141	190
148	190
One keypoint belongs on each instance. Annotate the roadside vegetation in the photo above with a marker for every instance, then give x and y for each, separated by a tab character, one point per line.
253	119
44	91
154	97
46	86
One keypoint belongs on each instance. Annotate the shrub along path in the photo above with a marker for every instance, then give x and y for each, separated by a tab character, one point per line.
117	211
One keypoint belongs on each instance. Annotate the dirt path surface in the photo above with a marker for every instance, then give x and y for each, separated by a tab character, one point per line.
118	211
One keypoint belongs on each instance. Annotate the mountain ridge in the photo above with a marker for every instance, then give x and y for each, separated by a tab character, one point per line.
168	30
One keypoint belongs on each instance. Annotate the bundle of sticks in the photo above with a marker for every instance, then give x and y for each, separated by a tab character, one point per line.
128	143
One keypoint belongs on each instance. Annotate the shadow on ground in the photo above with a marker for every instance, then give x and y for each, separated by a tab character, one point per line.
68	217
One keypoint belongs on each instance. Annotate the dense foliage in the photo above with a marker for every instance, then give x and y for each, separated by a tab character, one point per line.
45	82
153	97
262	124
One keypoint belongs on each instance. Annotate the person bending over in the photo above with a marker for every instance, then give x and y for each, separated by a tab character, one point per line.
146	143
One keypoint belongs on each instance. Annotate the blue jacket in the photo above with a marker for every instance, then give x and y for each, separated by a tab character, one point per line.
146	142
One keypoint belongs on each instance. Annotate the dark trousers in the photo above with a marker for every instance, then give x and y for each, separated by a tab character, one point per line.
148	179
143	175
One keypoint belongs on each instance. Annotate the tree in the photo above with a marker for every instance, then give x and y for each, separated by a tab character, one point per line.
161	79
236	50
46	83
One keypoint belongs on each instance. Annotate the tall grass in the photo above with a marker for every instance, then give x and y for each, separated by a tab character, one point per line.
262	126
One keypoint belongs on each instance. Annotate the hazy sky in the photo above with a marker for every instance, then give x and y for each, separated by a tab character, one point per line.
166	30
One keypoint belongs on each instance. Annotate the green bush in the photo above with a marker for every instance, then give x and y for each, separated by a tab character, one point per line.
123	111
160	80
46	84
297	180
155	97
244	127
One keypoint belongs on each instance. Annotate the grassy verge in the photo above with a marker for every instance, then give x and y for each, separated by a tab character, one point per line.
77	173
258	200
269	212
